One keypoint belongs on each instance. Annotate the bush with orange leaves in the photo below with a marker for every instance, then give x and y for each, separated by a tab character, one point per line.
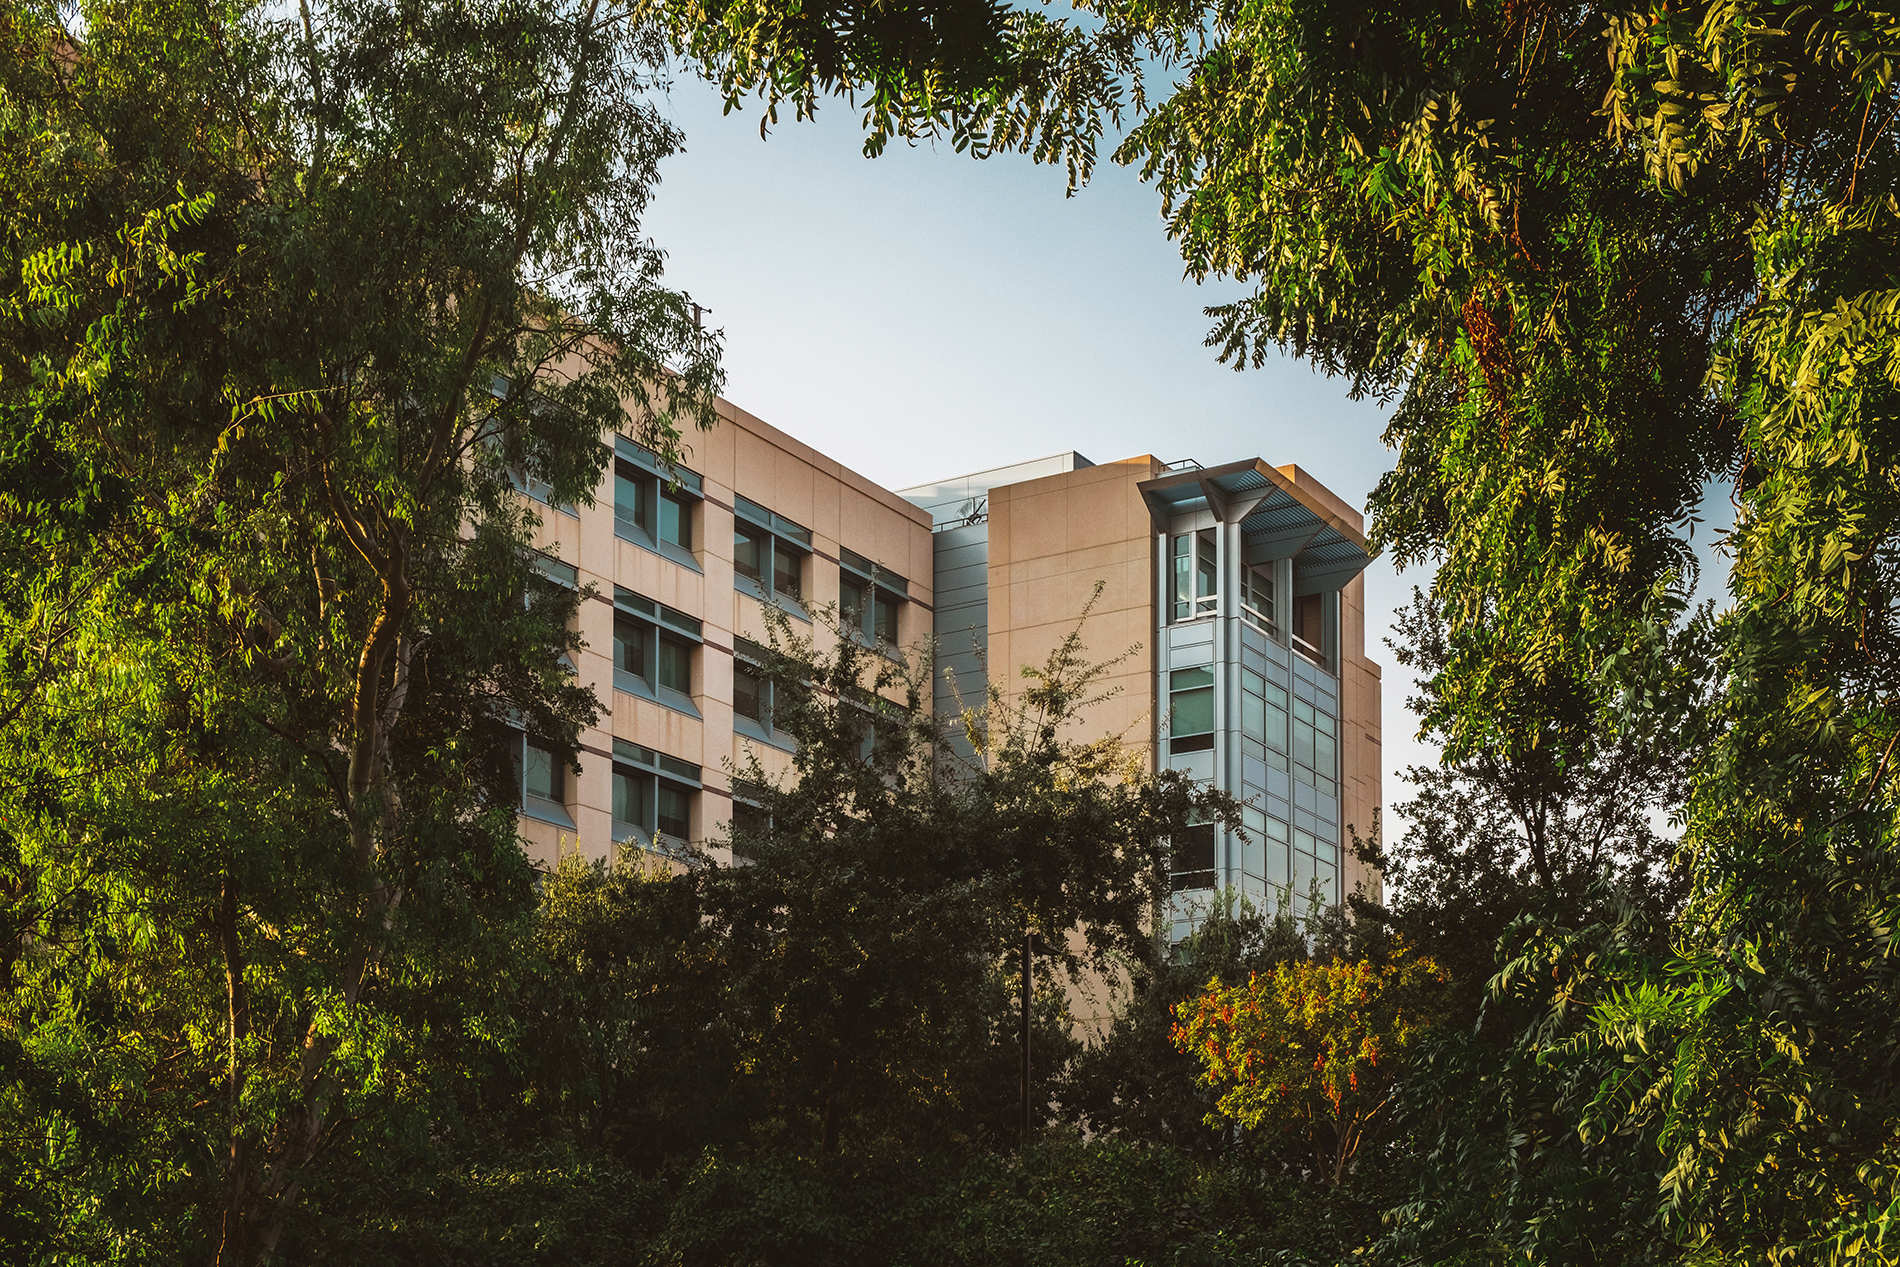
1313	1048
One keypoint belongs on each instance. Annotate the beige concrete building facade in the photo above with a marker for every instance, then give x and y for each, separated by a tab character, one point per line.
1230	599
680	562
1235	598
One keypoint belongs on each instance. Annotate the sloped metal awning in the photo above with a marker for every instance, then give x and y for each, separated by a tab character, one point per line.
1278	519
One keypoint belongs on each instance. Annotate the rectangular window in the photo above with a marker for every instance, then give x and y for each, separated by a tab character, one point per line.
1263	856
632	646
1194	859
633	794
633	504
676	519
1191	710
1314	860
675	812
870	598
751	694
788	567
749	820
543	775
1256	598
768	551
1196	576
676	664
1253	705
1184	577
653	502
654	650
853	598
652	796
543	771
1306	629
1315	748
750	548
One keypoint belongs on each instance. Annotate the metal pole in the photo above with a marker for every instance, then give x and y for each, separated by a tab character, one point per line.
1026	995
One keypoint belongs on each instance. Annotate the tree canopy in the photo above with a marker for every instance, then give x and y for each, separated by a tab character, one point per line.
272	340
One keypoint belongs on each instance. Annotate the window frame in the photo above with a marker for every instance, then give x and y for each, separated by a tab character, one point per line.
1256	607
1187	569
1323	739
530	486
880	586
663	624
1200	843
749	657
542	809
747	798
1197	740
777	535
657	772
659	483
1261	837
1306	859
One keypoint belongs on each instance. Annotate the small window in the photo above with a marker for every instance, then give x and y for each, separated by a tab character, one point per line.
749	819
769	554
1191	710
676	519
675	813
542	772
1263	857
633	504
788	567
750	693
654	503
1306	628
870	598
1315	748
1194	859
751	547
753	696
654	650
653	796
676	664
633	793
1256	599
1314	859
543	788
853	598
1196	576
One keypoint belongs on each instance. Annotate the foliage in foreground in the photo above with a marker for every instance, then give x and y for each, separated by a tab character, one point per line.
1314	1049
275	347
1092	1205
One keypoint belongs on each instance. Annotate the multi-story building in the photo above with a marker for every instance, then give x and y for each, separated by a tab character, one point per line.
1234	590
680	561
1237	593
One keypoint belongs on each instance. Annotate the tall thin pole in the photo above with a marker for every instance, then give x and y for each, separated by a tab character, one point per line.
1027	943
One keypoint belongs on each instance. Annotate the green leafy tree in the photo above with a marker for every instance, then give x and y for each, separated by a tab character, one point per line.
1136	1084
275	345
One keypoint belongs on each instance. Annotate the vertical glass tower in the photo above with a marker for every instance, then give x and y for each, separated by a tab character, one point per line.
1247	668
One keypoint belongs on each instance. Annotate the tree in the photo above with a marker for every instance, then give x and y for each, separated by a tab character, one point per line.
272	340
1493	835
1314	1048
1136	1084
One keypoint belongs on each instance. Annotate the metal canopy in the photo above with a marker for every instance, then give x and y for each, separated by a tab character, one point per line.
1278	519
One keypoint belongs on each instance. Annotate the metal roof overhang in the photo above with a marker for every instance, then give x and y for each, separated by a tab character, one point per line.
1277	518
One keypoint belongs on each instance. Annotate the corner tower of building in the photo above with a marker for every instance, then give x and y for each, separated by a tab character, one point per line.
1240	589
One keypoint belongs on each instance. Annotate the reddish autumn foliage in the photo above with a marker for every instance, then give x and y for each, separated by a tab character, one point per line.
1312	1048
